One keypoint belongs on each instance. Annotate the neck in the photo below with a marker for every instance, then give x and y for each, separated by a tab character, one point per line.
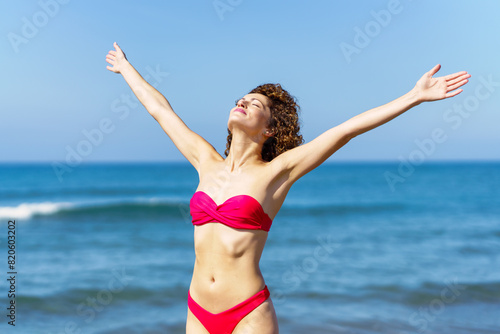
244	151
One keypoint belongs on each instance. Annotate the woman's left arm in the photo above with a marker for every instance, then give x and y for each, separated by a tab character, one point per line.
426	89
302	159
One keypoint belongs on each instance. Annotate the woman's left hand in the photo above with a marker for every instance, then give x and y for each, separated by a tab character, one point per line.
432	89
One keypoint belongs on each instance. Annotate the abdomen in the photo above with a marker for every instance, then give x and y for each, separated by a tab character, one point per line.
227	265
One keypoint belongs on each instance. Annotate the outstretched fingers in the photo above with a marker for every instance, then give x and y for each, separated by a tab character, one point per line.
114	58
454	81
452	87
456	75
458	79
110	58
456	85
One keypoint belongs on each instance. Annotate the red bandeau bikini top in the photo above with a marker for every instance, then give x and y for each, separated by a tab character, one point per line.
240	211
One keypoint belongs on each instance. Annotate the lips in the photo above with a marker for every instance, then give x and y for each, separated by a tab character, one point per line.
240	110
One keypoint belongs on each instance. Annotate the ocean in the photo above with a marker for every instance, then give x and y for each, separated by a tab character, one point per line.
356	248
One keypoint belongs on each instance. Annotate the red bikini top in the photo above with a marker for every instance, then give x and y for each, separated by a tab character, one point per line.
240	211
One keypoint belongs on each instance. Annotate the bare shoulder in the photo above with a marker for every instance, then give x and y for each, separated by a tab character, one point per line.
302	159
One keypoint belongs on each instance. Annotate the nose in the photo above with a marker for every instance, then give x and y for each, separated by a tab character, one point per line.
241	103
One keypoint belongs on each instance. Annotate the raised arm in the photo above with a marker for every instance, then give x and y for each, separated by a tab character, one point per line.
427	89
302	159
191	145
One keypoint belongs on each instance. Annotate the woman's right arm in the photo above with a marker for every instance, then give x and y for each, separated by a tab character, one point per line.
190	144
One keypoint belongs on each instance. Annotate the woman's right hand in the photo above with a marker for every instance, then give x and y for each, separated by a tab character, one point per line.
117	59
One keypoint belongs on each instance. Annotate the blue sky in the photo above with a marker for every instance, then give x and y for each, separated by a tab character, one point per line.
59	102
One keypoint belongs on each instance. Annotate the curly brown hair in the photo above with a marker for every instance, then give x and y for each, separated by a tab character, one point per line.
283	123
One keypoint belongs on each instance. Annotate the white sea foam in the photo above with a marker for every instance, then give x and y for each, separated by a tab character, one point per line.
27	210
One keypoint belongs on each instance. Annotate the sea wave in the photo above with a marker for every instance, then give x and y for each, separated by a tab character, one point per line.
28	210
117	207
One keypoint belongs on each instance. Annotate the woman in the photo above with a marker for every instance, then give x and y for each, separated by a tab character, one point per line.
238	196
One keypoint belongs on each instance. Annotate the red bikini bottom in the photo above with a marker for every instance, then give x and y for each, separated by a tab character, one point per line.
224	322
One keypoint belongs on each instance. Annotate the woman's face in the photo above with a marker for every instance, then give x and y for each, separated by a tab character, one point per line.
252	112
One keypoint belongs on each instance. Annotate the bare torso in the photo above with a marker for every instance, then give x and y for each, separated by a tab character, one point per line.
226	271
